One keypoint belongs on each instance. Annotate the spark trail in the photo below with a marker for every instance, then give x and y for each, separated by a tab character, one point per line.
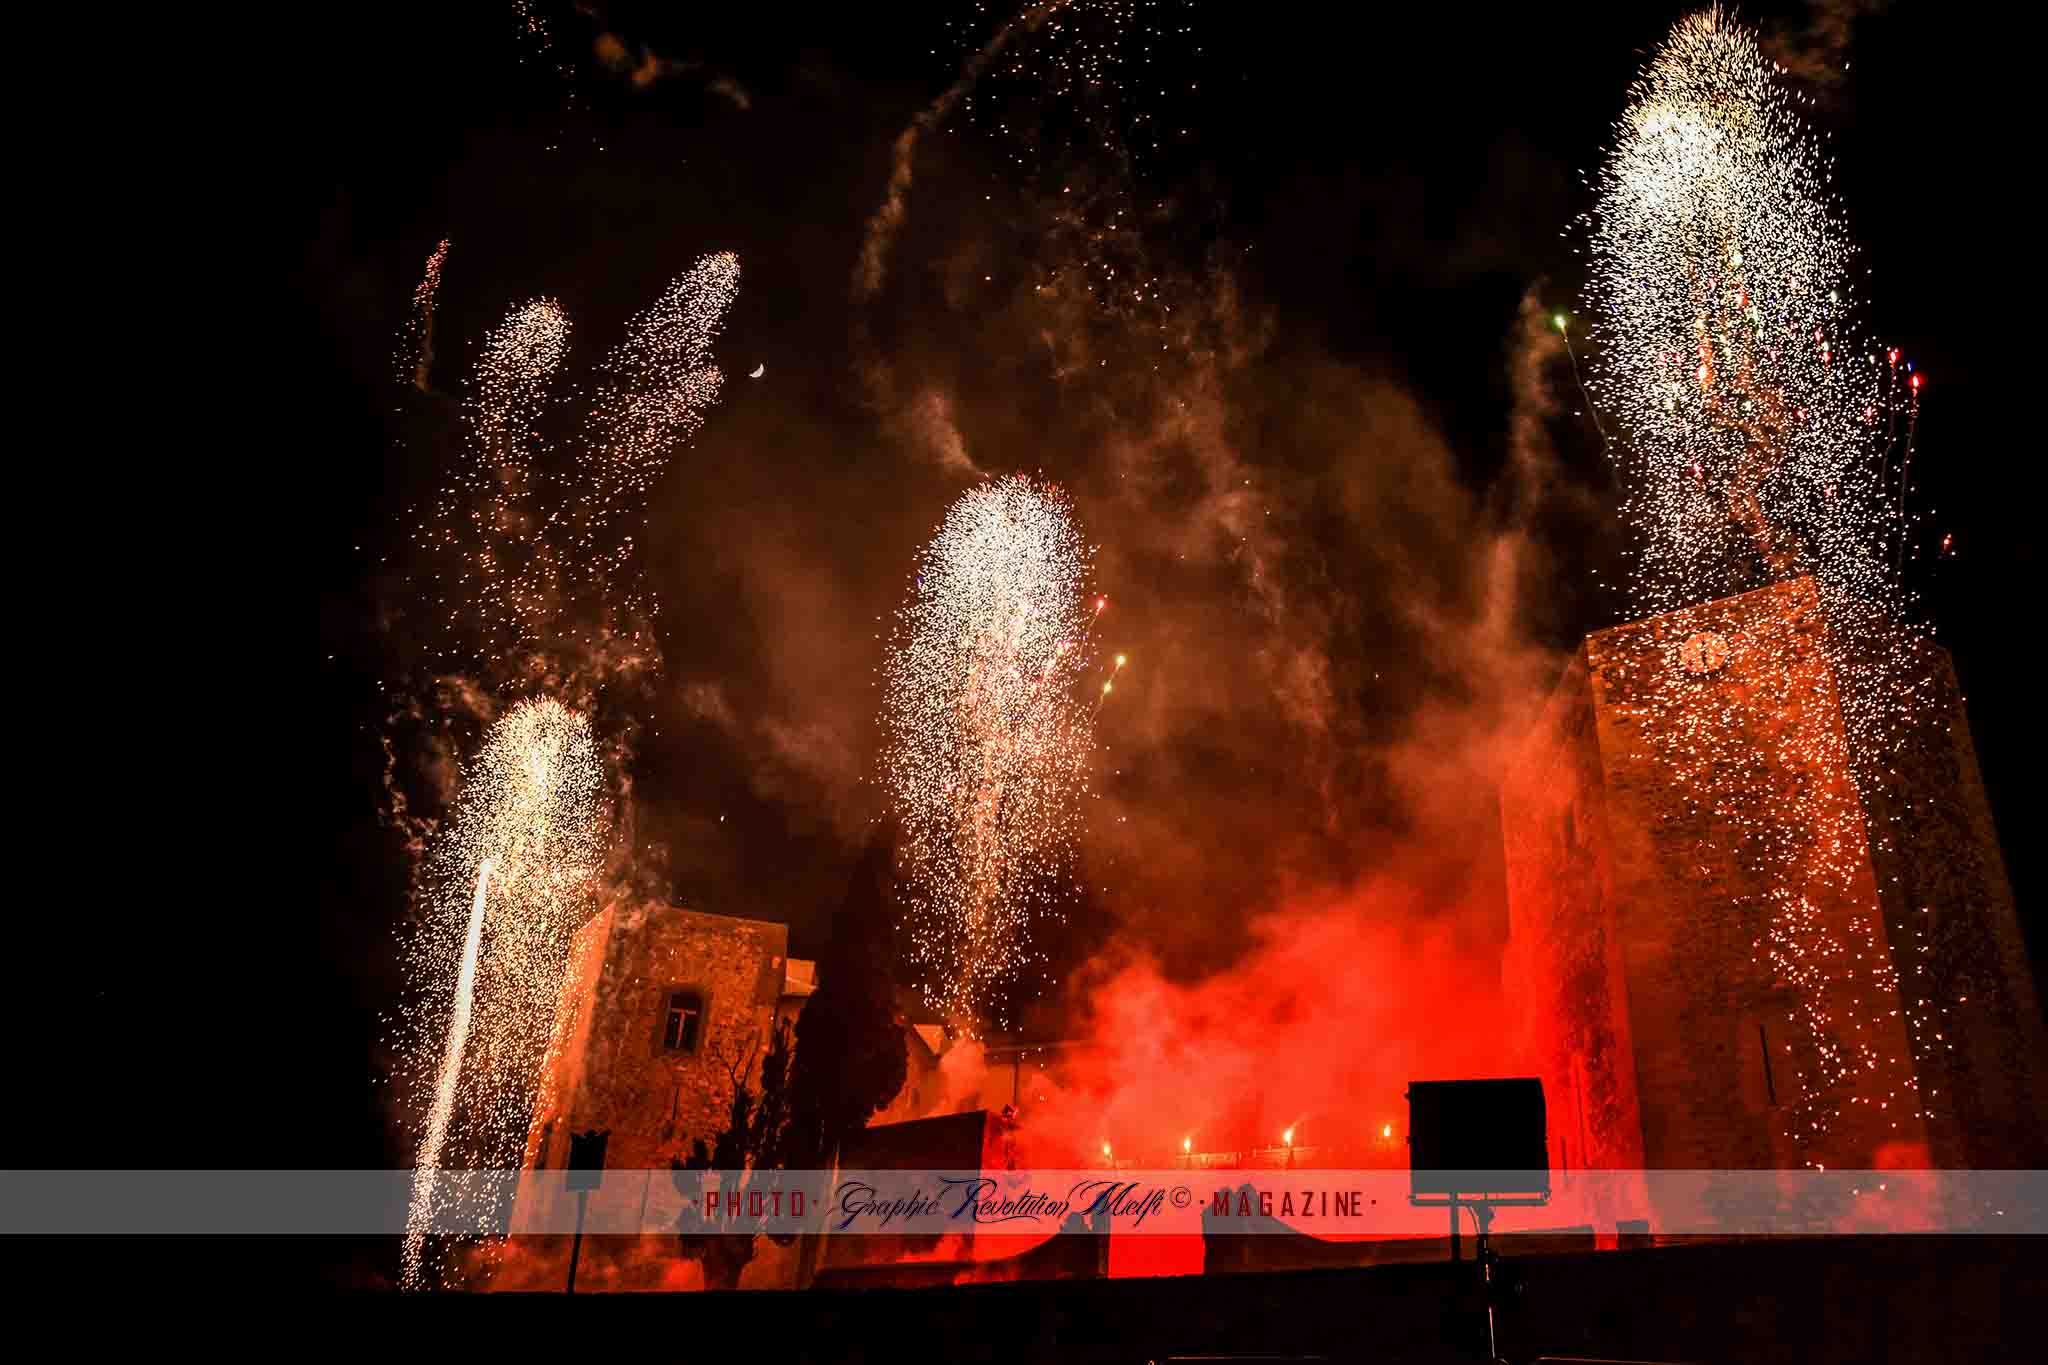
418	1216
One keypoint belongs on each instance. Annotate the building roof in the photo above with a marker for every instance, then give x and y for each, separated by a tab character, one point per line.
688	909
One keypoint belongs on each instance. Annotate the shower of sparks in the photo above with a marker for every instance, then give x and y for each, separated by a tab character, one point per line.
1758	423
652	394
1760	436
490	518
524	534
509	881
989	735
416	346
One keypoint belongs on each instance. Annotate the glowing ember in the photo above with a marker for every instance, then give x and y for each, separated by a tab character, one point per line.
987	751
510	879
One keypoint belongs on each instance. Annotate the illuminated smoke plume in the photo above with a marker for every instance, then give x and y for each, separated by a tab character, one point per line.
509	879
872	266
1761	436
887	220
989	733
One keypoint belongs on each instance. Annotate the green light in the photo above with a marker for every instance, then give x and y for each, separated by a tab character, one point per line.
1559	320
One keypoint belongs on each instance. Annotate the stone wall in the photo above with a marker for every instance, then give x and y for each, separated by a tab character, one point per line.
1693	900
614	1069
1736	828
1956	940
1562	969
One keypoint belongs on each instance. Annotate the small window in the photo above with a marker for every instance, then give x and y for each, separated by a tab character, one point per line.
685	1021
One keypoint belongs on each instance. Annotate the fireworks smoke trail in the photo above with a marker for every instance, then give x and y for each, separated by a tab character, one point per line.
416	350
887	220
529	833
1751	424
986	758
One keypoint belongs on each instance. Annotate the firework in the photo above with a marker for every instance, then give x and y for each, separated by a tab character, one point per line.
1753	416
532	544
416	346
989	735
1755	428
488	520
652	393
428	1164
510	880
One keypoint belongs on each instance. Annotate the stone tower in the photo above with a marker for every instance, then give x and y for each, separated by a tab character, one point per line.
661	1009
1724	955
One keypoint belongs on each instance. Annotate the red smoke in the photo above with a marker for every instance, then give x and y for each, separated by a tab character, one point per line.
1318	1028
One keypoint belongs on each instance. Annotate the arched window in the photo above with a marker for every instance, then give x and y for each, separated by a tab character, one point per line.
685	1023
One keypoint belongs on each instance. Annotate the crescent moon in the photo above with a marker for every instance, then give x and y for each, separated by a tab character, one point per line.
759	370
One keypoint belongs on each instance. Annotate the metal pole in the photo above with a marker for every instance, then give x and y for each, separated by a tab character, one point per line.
1483	1216
576	1247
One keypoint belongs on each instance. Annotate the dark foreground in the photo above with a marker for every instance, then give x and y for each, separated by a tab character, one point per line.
1889	1299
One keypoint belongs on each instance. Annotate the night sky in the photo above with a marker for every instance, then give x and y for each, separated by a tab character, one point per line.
1346	550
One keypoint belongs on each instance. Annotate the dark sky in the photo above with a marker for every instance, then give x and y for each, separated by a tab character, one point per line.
1342	566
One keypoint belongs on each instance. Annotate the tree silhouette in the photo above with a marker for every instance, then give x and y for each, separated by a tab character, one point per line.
820	1083
752	1143
851	1059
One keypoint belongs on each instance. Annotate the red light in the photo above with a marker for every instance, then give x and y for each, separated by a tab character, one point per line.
1916	381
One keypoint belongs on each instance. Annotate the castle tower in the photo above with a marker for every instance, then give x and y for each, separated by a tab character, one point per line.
661	1009
1723	954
